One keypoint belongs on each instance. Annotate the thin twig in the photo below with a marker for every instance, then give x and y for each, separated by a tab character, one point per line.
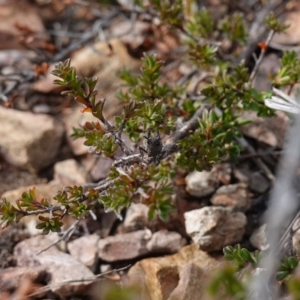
258	30
42	211
243	142
261	56
86	37
65	236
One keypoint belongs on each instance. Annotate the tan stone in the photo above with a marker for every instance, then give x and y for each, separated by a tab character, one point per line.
164	278
69	172
235	196
29	141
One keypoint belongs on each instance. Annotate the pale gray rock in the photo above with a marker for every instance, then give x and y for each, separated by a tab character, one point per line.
69	172
138	243
29	141
235	196
201	184
164	241
85	250
124	246
212	228
61	266
258	238
136	217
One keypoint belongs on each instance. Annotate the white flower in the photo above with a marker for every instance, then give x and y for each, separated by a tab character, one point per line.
283	102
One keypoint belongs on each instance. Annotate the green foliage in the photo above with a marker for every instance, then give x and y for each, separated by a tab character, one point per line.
241	256
231	280
227	284
9	213
231	91
234	28
274	24
70	201
202	55
287	267
169	11
151	107
150	185
49	224
201	25
210	143
293	284
289	72
99	141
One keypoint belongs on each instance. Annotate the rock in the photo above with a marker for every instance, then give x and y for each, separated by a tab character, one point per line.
11	278
6	258
235	196
61	266
290	36
188	287
69	172
75	118
134	37
242	175
104	268
258	238
124	246
103	60
138	243
258	183
222	172
136	217
213	228
15	14
84	249
29	141
201	184
45	190
164	241
101	168
45	84
113	57
12	178
270	131
183	275
107	221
